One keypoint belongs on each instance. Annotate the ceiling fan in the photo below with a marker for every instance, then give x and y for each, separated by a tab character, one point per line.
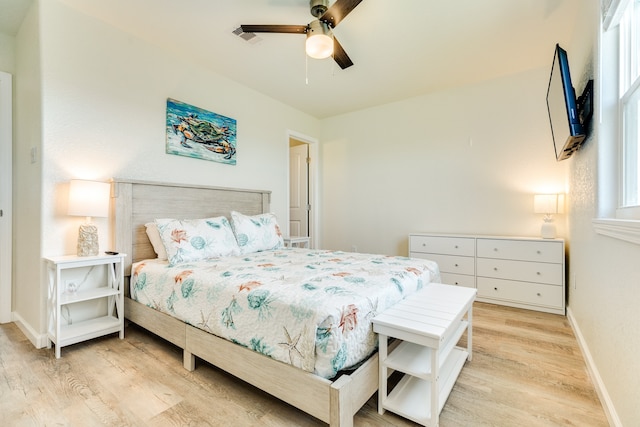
320	40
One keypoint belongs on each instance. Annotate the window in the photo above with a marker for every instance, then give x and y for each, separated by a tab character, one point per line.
628	106
619	80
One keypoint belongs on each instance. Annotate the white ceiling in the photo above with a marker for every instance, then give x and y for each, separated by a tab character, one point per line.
400	48
11	14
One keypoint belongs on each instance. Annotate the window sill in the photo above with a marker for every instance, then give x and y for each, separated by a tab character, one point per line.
623	229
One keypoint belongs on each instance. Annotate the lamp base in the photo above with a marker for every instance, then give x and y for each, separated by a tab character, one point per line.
88	240
548	230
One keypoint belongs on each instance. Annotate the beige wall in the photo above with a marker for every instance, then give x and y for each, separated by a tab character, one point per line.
604	282
467	160
103	96
29	291
7	58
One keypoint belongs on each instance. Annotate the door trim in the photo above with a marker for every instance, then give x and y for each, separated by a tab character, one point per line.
6	143
313	185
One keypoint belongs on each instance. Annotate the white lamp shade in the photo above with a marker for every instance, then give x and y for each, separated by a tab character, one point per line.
319	43
545	204
89	198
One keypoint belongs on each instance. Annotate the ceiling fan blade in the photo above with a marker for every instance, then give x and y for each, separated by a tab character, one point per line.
338	11
294	29
340	56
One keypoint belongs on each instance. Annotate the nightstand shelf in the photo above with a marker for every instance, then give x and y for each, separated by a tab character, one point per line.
88	329
89	294
296	241
106	284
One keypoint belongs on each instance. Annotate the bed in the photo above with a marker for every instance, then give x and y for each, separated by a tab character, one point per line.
135	203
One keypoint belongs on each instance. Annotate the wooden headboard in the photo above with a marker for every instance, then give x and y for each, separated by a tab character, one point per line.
135	203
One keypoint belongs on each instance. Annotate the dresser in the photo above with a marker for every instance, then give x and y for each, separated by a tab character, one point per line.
524	272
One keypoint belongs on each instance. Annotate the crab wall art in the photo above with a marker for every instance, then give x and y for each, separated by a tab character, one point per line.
201	134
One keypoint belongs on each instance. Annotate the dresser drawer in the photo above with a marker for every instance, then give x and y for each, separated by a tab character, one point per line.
450	263
442	245
458	280
525	271
524	250
521	292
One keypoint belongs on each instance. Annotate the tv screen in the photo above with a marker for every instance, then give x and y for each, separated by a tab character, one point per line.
566	128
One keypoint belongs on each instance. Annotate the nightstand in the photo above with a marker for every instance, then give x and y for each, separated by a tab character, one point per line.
296	241
73	280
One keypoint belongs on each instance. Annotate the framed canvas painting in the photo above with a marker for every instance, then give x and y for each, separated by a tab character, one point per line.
200	134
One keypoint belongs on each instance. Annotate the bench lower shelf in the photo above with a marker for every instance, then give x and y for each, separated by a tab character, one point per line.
412	396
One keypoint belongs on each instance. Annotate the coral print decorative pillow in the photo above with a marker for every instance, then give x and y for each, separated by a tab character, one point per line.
197	239
256	233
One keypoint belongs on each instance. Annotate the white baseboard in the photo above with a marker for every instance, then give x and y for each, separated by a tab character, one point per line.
605	399
38	340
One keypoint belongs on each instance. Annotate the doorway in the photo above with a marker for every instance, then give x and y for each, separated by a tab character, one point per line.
302	197
299	205
6	138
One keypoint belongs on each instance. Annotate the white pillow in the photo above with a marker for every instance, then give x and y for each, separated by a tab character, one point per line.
156	240
197	239
256	233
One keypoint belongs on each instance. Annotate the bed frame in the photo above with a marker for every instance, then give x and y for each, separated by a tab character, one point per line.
135	203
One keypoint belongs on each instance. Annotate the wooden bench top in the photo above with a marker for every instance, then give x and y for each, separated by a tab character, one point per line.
428	316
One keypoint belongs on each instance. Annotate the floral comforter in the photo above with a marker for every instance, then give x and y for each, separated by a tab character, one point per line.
307	308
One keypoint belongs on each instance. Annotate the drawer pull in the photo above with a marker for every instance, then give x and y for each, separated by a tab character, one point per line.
495	268
538	252
495	289
539	294
455	265
424	244
495	249
538	273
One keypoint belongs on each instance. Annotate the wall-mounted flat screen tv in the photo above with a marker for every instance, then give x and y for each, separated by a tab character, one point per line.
566	126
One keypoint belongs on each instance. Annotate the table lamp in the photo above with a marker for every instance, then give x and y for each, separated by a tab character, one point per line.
88	199
548	204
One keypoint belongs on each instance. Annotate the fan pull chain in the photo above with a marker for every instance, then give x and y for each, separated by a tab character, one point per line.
306	69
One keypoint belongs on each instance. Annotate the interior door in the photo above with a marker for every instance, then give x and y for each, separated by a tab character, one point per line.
5	196
298	188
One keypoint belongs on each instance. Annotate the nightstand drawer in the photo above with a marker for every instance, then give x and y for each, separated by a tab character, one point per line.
523	250
521	292
458	280
442	245
525	271
450	263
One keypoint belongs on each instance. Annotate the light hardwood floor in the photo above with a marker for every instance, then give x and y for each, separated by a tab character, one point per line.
527	370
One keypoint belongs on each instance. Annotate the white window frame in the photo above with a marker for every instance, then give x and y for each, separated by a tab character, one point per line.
629	90
620	82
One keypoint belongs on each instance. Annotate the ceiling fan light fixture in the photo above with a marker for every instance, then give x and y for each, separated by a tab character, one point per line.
319	43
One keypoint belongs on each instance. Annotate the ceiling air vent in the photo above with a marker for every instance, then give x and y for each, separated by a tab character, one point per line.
248	37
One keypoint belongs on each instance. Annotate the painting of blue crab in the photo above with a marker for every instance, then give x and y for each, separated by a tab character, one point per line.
201	134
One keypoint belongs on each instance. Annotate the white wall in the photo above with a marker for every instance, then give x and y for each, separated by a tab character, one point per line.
466	160
104	111
105	106
7	59
29	291
604	285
